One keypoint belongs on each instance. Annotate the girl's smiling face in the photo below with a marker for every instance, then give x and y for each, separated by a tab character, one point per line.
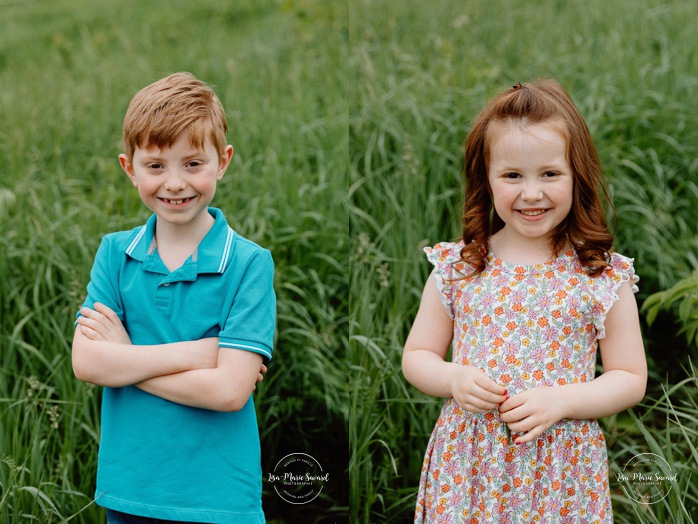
531	180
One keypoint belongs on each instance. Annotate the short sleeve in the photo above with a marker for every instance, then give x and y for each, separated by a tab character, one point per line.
444	256
620	272
251	320
103	285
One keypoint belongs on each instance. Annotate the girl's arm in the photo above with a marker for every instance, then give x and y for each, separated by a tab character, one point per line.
622	384
424	365
103	354
624	378
226	388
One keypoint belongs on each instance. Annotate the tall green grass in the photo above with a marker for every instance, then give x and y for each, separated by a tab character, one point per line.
422	73
68	70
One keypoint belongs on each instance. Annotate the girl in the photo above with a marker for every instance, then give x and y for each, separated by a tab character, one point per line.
524	299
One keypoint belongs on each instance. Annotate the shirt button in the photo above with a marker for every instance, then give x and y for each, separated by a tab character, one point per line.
166	284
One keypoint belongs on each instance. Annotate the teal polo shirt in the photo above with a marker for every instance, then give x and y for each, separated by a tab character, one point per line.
158	458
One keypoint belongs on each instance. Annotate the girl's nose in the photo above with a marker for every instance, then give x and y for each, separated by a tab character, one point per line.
532	191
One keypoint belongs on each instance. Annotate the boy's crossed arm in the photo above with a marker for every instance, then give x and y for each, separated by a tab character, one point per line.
103	353
194	373
227	387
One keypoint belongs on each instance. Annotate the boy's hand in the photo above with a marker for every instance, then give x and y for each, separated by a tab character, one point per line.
473	390
260	376
532	412
101	323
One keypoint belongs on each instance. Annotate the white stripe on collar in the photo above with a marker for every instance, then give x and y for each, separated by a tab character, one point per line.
226	250
135	241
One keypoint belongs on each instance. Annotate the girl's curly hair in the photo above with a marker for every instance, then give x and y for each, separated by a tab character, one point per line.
585	228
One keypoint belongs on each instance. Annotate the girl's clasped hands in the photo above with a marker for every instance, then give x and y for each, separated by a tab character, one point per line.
528	413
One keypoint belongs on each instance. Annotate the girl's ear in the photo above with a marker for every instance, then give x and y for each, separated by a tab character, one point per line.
224	160
127	166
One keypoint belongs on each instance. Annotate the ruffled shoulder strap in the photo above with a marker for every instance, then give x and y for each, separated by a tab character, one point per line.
445	256
620	272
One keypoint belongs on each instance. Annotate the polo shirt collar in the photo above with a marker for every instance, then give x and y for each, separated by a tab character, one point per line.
213	254
216	249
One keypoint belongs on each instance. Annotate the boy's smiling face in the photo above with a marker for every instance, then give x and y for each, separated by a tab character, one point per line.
178	183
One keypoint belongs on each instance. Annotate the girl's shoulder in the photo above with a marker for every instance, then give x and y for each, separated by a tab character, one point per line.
621	270
603	289
444	253
448	267
447	260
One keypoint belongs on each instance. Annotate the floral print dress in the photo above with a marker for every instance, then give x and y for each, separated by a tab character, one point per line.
526	327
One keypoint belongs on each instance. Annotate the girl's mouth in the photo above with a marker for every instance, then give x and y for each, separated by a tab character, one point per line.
531	212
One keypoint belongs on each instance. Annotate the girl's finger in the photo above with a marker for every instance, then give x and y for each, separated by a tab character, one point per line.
473	408
491	398
520	426
483	405
512	403
488	384
533	434
513	414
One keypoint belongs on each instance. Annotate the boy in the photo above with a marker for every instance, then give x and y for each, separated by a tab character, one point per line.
178	320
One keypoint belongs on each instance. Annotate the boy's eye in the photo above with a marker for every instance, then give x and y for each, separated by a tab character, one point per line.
194	163
154	165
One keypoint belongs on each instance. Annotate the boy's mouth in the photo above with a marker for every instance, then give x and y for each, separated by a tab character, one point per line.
177	202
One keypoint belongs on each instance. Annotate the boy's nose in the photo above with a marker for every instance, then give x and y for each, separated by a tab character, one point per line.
174	181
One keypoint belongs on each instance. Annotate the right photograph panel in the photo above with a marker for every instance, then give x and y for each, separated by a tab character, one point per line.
523	262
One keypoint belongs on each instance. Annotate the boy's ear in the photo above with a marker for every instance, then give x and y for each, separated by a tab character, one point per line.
127	166
224	160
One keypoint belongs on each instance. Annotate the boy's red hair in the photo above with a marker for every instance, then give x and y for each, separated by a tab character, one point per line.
585	228
159	113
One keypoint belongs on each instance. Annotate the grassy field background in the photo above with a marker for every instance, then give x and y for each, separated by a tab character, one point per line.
423	71
68	69
347	121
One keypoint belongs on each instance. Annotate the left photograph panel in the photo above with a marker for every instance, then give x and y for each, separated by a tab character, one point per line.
174	289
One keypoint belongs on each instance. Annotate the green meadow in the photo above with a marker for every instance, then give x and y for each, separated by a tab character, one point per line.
422	71
348	120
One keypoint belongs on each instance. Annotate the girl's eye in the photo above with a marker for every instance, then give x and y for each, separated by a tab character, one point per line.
550	174
511	175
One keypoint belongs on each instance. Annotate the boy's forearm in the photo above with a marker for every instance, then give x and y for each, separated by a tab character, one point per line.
115	365
610	393
225	388
199	388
